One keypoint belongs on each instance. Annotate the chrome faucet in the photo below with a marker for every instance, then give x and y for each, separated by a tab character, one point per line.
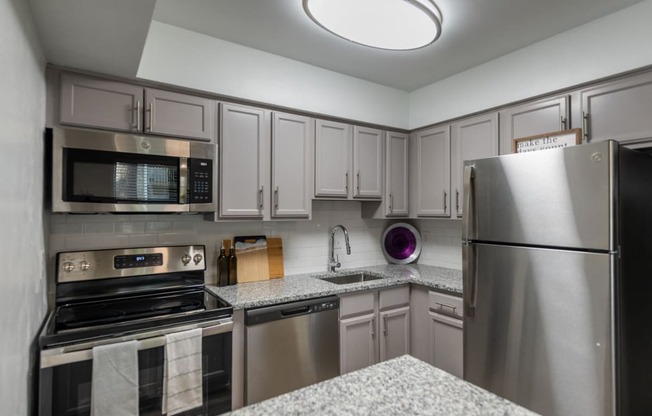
334	262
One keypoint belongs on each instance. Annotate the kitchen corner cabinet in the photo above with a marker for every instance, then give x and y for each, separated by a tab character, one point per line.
619	110
105	104
540	117
292	168
348	161
430	172
244	154
374	326
472	138
437	329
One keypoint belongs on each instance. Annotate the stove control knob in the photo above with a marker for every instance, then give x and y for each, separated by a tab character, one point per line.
185	259
84	265
68	266
197	258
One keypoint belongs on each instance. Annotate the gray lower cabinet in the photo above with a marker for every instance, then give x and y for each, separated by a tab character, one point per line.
620	110
93	102
539	117
374	326
436	329
244	156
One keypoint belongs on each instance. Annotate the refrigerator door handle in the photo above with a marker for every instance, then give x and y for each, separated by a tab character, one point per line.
467	215
469	279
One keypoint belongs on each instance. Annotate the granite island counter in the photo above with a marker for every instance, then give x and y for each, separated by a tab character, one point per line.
401	386
305	286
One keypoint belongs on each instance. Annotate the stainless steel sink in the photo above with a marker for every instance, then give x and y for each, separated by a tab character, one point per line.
347	279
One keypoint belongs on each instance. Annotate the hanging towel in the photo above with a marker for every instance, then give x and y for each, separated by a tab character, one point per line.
114	388
182	372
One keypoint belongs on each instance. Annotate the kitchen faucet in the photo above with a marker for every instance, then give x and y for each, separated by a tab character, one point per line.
333	261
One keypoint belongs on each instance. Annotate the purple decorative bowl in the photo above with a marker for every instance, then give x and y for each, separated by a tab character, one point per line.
401	243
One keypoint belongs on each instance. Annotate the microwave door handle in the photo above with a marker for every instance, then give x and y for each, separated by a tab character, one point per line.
63	358
183	180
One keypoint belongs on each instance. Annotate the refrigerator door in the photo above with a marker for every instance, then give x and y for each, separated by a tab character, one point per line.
555	198
542	327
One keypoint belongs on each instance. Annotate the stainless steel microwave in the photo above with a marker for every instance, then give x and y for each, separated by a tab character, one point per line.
94	171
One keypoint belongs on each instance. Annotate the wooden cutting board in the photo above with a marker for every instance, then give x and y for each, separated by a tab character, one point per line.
275	257
251	251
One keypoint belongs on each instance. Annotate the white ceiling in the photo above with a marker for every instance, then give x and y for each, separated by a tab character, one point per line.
108	36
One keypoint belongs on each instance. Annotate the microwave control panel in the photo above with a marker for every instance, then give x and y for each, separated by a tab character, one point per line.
201	181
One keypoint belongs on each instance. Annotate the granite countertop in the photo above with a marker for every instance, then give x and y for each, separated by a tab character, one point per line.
306	286
401	386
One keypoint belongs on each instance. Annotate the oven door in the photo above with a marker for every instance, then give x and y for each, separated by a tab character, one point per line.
66	374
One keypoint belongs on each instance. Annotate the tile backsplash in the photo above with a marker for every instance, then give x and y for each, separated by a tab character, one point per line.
305	243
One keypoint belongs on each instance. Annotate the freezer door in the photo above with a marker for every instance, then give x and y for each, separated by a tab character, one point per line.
541	331
555	198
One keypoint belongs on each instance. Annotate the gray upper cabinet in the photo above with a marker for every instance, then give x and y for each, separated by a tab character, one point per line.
367	162
472	138
98	103
292	166
530	119
396	174
430	172
244	150
332	159
620	110
171	113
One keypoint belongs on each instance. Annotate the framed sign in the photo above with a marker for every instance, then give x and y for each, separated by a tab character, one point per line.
555	140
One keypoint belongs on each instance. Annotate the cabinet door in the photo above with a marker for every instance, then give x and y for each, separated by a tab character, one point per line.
103	104
473	138
395	333
367	163
357	342
292	138
531	119
396	174
332	158
446	343
432	153
241	150
620	110
173	114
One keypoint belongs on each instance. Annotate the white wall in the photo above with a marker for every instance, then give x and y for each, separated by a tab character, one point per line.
22	117
305	243
613	44
226	68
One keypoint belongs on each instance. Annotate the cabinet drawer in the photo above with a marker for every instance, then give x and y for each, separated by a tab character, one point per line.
357	304
445	304
394	297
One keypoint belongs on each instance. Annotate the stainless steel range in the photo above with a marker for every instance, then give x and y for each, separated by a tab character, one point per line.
143	294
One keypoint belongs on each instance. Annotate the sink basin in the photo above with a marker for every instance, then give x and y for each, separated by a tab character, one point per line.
351	278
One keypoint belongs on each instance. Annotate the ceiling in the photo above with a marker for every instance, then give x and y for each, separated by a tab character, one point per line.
109	35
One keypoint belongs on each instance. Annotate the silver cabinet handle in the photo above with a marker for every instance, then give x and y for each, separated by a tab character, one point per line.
151	116
373	327
391	202
563	123
138	114
346	181
467	215
445	202
358	183
457	200
385	325
585	126
276	198
260	198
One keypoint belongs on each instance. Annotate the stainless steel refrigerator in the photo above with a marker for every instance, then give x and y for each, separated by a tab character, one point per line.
557	266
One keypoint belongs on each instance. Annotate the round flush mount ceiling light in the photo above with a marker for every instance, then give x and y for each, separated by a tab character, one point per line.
383	24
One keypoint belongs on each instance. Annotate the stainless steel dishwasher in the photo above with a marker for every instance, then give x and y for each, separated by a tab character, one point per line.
291	345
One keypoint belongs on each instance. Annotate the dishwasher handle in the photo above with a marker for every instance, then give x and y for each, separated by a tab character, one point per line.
290	310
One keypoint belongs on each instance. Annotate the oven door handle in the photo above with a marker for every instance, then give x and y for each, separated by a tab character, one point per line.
82	352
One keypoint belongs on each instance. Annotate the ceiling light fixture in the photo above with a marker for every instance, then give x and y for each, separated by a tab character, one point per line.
383	24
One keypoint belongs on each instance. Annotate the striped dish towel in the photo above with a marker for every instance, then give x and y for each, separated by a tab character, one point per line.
182	372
